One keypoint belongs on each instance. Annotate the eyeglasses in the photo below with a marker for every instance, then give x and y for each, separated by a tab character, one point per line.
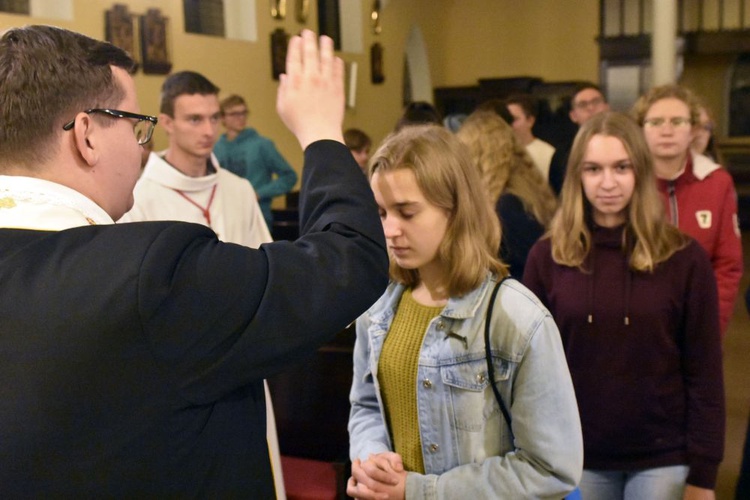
596	101
143	127
675	121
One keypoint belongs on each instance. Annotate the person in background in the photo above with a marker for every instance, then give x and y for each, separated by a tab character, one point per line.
587	101
418	113
185	182
523	200
424	420
698	194
133	365
243	151
703	140
359	144
498	107
524	110
635	301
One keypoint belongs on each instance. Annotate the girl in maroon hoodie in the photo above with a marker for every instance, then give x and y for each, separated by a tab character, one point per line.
635	301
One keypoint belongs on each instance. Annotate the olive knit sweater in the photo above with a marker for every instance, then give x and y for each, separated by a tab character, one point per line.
398	377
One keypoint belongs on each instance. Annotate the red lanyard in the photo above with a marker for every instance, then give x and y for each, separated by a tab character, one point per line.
205	211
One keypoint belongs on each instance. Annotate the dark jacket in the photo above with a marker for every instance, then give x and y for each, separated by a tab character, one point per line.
520	230
650	392
133	355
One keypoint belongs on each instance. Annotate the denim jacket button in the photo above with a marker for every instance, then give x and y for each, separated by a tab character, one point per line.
481	378
434	447
440	325
427	383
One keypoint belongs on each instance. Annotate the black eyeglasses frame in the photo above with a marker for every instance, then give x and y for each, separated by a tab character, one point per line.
116	113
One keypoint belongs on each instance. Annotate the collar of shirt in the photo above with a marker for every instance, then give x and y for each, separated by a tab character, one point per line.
158	170
31	203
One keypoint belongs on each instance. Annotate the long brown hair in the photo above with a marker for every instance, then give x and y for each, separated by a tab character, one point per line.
449	180
505	165
649	239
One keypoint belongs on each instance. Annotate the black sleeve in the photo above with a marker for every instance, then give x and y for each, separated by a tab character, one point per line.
557	168
222	315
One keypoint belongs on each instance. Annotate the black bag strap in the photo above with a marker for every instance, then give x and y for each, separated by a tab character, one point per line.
490	367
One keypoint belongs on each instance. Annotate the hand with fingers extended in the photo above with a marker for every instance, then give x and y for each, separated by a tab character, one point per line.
380	477
310	99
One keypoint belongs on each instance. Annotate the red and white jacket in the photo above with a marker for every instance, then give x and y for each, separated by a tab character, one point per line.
702	202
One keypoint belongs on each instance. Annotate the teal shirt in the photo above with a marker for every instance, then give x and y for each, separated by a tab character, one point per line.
255	158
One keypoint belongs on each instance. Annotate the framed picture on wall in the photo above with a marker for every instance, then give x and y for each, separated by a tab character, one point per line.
155	56
376	63
279	41
118	28
329	22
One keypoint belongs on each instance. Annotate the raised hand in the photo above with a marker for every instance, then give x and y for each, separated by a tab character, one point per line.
310	99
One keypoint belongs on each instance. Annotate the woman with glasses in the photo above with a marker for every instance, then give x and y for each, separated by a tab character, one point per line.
698	194
635	302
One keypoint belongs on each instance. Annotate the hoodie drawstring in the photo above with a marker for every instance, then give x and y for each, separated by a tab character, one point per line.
625	294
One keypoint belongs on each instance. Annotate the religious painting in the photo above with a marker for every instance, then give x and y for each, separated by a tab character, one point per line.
153	27
118	26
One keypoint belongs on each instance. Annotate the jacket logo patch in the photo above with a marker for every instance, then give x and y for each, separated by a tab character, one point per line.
704	218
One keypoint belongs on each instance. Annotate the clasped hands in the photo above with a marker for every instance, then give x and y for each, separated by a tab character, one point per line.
380	477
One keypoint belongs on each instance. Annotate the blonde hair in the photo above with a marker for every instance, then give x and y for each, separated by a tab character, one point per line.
450	181
230	102
506	166
673	91
648	238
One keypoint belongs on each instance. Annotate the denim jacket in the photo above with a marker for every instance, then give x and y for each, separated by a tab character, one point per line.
466	444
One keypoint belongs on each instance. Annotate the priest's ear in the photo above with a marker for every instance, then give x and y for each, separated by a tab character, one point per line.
86	137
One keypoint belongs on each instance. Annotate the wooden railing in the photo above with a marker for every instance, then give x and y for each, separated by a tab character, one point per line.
625	18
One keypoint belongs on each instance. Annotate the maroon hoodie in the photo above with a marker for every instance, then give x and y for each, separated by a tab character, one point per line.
644	353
